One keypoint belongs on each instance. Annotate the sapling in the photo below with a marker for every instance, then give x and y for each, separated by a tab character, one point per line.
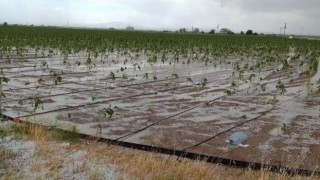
260	87
146	76
112	76
203	84
3	80
281	88
229	91
57	79
189	79
251	78
309	88
37	103
108	111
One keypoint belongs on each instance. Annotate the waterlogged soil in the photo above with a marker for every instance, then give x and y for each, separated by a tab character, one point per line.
180	112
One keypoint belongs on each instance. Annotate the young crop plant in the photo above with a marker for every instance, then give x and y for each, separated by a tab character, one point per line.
135	66
259	87
152	60
189	79
89	63
174	76
285	64
313	64
251	78
65	57
173	84
229	91
164	58
44	65
3	80
309	88
56	77
108	111
203	84
281	87
36	104
146	75
112	76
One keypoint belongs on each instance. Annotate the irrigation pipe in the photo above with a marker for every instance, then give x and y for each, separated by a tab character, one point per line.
157	122
104	88
73	81
169	117
98	102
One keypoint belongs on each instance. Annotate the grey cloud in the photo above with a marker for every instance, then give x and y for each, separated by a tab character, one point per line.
259	15
271	6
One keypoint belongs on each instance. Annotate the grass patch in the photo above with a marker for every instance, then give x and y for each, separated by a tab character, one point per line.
2	133
67	135
5	154
38	132
5	169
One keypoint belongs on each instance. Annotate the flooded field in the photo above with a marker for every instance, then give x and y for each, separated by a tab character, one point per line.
127	97
187	92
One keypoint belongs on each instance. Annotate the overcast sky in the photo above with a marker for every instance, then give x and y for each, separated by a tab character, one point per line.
265	16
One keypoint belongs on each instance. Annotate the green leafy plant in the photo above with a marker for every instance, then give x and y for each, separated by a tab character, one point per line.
108	111
203	84
146	76
112	76
37	103
281	87
189	80
3	80
229	91
57	79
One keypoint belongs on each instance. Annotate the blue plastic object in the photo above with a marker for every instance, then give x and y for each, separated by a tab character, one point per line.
237	138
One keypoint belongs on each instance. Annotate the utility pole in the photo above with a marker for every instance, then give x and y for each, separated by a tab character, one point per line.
218	28
284	29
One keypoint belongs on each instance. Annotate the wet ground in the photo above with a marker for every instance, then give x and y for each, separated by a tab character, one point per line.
176	104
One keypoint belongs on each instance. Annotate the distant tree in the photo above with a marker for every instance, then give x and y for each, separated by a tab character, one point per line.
226	31
182	30
212	31
242	33
249	32
196	30
5	24
255	33
130	28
